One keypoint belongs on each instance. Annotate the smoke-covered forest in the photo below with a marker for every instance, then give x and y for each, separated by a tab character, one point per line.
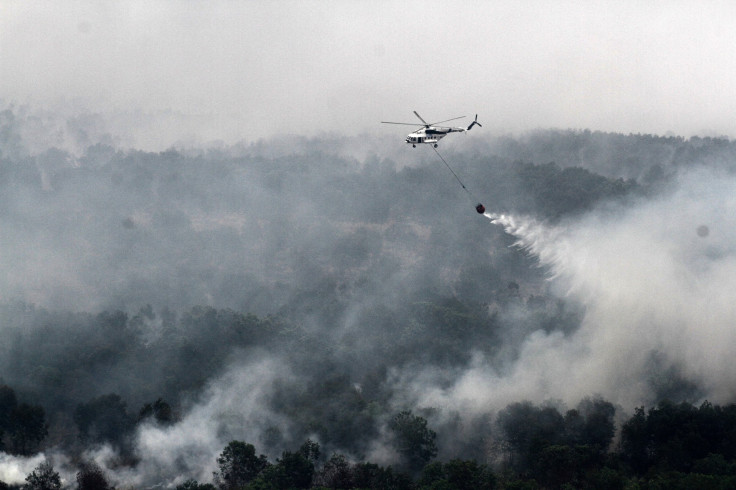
331	312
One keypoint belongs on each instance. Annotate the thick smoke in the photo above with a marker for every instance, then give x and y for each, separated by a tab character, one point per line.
13	470
656	291
233	406
379	281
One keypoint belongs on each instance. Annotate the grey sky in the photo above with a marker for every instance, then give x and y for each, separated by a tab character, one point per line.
242	70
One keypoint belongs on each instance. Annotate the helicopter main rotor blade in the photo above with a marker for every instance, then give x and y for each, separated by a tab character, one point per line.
446	120
405	124
420	118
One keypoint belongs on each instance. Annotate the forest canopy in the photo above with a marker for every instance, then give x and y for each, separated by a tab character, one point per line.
337	321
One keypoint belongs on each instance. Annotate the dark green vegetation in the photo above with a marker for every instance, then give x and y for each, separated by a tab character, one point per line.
134	282
668	446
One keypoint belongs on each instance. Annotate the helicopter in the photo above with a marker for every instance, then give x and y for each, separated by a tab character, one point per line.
430	133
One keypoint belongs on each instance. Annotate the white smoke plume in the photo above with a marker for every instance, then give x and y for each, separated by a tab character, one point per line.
13	469
231	408
656	282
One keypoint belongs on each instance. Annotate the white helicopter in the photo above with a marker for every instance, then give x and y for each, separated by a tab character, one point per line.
431	134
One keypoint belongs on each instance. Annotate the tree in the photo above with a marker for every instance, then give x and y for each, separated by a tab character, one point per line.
636	444
370	475
159	410
336	473
367	475
526	430
91	477
238	465
414	441
27	428
43	478
292	470
553	449
469	475
310	451
598	428
103	419
556	465
557	191
675	436
192	484
457	475
8	402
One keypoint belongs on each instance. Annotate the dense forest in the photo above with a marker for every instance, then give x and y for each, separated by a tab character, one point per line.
289	314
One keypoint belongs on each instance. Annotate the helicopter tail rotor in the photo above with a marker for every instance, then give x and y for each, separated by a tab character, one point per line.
474	123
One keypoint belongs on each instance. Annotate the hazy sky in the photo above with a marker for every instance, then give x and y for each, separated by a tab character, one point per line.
251	69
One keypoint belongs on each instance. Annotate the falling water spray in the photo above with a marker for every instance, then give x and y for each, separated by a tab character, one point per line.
544	241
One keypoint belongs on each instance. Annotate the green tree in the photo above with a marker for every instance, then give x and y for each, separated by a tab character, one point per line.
310	451
469	475
238	465
8	402
43	477
556	465
591	424
370	475
91	477
413	439
336	473
192	484
636	443
525	430
557	191
714	464
292	470
676	436
456	475
159	410
104	419
599	427
27	428
605	478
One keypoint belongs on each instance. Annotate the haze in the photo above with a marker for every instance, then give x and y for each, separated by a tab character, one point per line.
199	207
232	71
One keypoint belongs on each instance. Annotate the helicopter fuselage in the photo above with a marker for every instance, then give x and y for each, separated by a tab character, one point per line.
430	135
